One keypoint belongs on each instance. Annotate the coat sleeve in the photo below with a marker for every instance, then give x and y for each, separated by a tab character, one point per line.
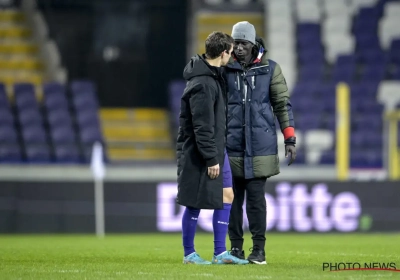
179	145
202	109
280	101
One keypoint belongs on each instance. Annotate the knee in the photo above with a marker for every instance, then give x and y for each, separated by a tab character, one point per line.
228	195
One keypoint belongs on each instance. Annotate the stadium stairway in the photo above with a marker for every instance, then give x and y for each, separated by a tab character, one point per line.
137	134
20	60
207	22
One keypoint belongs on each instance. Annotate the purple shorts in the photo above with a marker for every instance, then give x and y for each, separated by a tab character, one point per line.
226	172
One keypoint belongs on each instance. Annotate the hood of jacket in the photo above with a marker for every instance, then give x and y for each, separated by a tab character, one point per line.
198	66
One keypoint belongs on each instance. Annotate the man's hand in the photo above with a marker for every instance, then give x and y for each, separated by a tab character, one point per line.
290	148
213	171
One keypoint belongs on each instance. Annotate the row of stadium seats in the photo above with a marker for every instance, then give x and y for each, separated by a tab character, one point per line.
59	127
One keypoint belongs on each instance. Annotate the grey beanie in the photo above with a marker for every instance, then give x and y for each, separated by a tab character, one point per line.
244	31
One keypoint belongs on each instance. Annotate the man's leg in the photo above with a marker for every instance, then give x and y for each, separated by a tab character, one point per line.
256	209
189	224
236	218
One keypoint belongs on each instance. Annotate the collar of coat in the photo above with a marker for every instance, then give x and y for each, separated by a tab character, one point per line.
234	64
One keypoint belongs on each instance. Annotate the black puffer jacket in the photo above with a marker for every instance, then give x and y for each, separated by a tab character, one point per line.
201	136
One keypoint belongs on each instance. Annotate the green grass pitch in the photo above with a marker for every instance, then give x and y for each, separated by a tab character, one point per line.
159	256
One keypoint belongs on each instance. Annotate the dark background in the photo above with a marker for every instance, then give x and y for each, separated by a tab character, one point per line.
149	36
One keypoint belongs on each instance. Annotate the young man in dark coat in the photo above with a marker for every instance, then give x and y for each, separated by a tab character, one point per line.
257	95
200	149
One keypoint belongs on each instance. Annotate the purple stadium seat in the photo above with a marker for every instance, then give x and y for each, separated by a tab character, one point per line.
328	157
364	89
62	135
10	153
365	158
310	57
395	74
371	123
90	134
21	88
59	117
82	87
327	90
313	28
304	89
6	117
330	122
370	13
4	102
87	118
371	56
85	101
34	134
25	99
55	101
308	120
394	54
8	134
67	154
309	41
37	153
300	157
312	73
54	88
365	139
367	41
28	117
344	73
373	72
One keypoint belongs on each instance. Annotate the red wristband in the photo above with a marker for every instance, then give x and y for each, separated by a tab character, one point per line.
288	132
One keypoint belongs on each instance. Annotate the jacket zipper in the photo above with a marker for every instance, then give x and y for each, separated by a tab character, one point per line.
244	100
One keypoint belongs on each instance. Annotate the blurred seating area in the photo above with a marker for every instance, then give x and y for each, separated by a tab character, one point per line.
49	124
318	44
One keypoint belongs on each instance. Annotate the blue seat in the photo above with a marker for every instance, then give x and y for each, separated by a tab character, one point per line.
28	117
373	72
67	154
82	87
6	117
87	118
54	88
63	134
34	134
85	101
328	157
312	73
10	153
366	158
38	153
60	117
8	134
394	54
55	101
4	102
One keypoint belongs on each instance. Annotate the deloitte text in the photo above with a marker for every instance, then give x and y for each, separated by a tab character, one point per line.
294	208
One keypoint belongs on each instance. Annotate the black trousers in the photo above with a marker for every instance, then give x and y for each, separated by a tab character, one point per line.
256	208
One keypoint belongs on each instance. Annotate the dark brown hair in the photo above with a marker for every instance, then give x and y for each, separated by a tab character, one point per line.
216	43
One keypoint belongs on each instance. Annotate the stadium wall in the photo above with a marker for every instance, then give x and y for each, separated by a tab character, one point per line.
133	207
